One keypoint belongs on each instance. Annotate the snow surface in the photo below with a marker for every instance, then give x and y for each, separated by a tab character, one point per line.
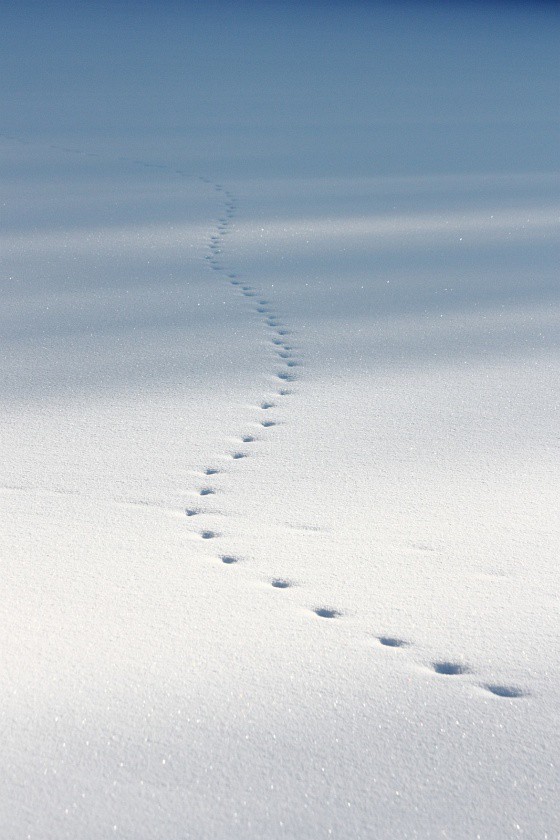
323	238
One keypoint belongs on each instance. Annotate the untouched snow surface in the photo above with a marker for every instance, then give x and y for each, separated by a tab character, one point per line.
279	427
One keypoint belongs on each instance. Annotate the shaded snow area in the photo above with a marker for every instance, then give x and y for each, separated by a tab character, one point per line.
279	448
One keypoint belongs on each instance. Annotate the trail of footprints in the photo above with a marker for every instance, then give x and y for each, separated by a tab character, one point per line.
289	361
287	355
280	345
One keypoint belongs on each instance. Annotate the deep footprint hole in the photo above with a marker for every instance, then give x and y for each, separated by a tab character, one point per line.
208	535
392	641
228	559
450	668
327	612
510	691
280	583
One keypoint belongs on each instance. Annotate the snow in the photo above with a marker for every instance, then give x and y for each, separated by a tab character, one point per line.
322	238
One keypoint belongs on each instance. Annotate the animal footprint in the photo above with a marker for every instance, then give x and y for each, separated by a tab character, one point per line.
391	641
237	455
208	535
510	691
267	423
327	612
229	559
191	511
248	439
211	471
280	583
450	668
266	405
206	491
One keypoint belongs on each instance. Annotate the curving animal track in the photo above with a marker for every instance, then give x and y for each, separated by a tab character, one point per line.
290	361
277	333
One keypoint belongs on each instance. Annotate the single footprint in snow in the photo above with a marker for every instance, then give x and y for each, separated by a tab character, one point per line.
450	668
206	491
267	405
267	423
237	455
391	641
208	535
191	511
287	377
229	559
211	471
510	691
327	612
248	439
284	392
280	583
